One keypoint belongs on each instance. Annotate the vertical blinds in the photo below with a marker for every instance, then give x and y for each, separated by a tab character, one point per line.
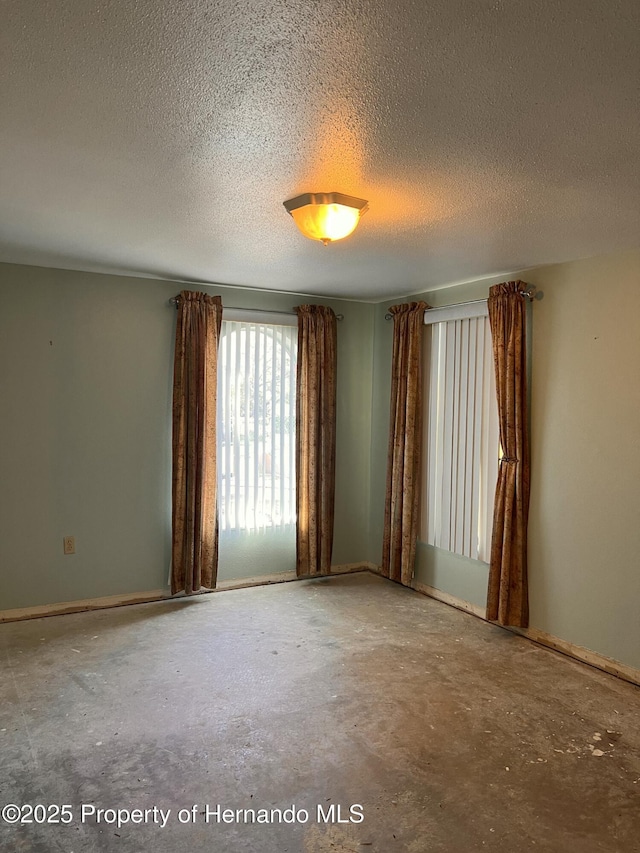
461	436
256	425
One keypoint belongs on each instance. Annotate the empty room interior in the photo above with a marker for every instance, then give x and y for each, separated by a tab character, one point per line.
319	446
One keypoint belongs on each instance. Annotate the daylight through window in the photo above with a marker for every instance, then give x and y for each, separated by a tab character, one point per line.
256	425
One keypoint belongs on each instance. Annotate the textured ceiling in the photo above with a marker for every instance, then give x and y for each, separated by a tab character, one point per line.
161	138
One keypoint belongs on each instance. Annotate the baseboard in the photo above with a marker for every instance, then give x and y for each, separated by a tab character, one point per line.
340	569
258	580
601	662
80	606
613	667
345	568
59	609
284	577
451	600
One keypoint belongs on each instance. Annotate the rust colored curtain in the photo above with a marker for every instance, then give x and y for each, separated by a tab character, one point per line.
508	601
315	438
402	501
194	561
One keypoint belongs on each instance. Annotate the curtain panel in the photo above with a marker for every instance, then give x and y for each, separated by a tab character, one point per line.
402	499
315	438
507	600
194	554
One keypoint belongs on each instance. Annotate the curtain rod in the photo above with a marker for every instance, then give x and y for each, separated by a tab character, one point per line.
174	301
530	293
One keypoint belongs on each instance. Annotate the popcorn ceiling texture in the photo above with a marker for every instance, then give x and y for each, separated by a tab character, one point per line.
161	138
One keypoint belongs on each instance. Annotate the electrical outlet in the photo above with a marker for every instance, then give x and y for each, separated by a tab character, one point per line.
69	544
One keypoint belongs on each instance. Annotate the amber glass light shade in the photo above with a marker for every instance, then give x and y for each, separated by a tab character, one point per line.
326	216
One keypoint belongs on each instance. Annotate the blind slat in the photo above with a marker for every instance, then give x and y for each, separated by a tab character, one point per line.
463	414
478	367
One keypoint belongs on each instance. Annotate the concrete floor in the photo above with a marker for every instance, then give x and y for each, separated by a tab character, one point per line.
452	734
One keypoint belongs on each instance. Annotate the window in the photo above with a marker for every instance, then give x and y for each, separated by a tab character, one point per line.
461	437
257	414
256	444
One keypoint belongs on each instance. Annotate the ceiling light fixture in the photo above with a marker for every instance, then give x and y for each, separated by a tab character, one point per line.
326	216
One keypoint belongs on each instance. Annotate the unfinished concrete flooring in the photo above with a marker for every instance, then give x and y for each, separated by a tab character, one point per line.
453	735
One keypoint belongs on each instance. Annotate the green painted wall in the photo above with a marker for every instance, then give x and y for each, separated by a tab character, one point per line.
85	381
584	546
85	434
584	525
